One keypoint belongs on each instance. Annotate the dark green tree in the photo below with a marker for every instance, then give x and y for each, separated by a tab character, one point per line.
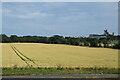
14	38
94	42
4	38
56	39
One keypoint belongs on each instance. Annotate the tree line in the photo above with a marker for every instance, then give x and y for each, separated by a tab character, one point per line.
57	39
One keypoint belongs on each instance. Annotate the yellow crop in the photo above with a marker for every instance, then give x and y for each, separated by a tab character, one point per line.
54	55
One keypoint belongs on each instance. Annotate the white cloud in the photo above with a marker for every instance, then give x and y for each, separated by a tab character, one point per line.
5	10
22	16
38	14
76	16
29	15
0	10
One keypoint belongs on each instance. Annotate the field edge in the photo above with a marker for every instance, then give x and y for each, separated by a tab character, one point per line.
44	71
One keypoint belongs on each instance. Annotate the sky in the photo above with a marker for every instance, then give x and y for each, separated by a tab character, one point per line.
0	17
59	18
60	0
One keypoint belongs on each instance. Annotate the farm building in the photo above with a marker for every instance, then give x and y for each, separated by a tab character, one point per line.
105	35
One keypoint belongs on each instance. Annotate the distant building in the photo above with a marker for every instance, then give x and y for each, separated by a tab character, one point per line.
105	35
97	36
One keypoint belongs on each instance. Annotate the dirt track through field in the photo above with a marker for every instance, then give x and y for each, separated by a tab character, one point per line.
26	59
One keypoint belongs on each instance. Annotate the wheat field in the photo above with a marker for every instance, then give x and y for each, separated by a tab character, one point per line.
53	55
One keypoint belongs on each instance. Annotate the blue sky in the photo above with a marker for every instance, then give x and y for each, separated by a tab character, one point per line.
62	18
0	18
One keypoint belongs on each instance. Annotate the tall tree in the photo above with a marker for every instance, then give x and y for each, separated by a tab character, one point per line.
4	38
14	38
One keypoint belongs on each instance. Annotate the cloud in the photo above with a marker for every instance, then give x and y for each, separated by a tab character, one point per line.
29	15
0	10
38	14
64	18
5	10
22	16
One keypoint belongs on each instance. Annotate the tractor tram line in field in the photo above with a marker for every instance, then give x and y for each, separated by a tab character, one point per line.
24	58
19	56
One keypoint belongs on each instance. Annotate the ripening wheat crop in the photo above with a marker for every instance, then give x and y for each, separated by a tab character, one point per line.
52	55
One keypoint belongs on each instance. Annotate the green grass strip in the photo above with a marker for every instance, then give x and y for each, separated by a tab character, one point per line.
43	71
